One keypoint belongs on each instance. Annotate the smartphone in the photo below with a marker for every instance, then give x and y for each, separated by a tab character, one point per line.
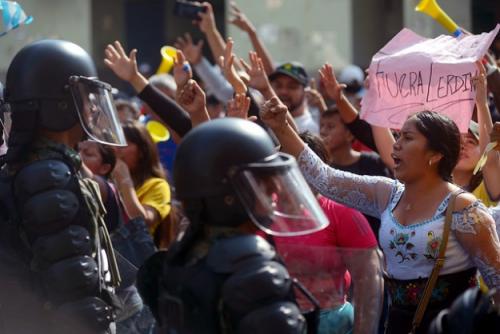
188	9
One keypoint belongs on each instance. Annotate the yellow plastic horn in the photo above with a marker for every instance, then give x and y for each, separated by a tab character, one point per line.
431	8
157	131
168	55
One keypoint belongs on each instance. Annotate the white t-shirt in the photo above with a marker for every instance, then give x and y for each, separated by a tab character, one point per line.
306	122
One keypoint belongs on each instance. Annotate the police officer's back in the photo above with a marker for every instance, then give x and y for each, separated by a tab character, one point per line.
221	277
57	268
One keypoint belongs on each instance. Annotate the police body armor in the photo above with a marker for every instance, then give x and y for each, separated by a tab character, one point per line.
238	287
56	217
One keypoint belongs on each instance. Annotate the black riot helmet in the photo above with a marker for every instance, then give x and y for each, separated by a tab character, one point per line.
52	84
228	171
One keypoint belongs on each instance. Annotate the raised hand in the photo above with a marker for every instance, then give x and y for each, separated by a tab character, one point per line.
239	19
332	87
238	106
274	113
121	174
191	97
206	23
314	97
191	51
256	72
480	84
123	66
182	70
226	63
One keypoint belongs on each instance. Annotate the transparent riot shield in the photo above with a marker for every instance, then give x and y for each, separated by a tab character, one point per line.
346	283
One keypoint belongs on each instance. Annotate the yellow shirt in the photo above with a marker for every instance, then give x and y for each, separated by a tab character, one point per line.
481	193
155	192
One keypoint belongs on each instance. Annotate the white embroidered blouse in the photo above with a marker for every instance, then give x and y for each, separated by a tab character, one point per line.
410	251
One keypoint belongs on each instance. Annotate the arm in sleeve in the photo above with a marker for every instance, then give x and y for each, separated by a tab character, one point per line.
368	194
213	78
475	230
166	109
363	132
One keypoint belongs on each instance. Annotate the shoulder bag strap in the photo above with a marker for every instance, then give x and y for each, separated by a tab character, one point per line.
431	282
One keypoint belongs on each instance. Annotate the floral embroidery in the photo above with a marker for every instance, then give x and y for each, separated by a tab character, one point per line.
368	194
400	243
432	249
467	219
409	293
412	293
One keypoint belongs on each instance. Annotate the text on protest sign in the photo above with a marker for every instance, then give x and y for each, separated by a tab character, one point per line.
412	73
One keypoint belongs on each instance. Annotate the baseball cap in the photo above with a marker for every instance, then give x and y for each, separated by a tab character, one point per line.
294	70
352	75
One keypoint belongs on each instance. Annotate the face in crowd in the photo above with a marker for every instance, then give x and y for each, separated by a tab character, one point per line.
290	91
429	143
99	158
333	131
470	152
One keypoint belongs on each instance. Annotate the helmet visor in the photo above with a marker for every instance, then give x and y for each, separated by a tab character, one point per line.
277	198
96	110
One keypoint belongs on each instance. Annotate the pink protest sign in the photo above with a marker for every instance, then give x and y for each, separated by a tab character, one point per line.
412	73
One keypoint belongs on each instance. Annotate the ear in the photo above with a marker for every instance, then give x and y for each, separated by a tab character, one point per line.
436	158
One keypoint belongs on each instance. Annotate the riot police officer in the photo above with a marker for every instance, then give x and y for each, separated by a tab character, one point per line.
57	266
221	277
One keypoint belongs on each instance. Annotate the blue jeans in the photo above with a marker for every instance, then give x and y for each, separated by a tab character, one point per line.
338	320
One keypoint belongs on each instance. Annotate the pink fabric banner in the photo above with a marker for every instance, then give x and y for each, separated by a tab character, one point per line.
412	73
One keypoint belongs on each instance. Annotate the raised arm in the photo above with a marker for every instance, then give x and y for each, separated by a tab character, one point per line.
259	81
133	207
367	194
125	67
384	140
348	113
483	113
485	125
493	77
227	65
209	28
240	20
334	90
475	230
189	94
491	169
211	75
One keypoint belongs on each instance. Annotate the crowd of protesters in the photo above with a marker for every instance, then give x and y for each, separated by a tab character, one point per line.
385	192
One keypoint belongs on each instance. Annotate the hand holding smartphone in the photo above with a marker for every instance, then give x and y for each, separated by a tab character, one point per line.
188	9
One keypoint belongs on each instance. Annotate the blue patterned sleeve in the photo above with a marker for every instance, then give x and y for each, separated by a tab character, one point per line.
475	229
368	194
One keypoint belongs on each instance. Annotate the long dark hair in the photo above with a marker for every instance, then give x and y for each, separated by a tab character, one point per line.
442	136
149	165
